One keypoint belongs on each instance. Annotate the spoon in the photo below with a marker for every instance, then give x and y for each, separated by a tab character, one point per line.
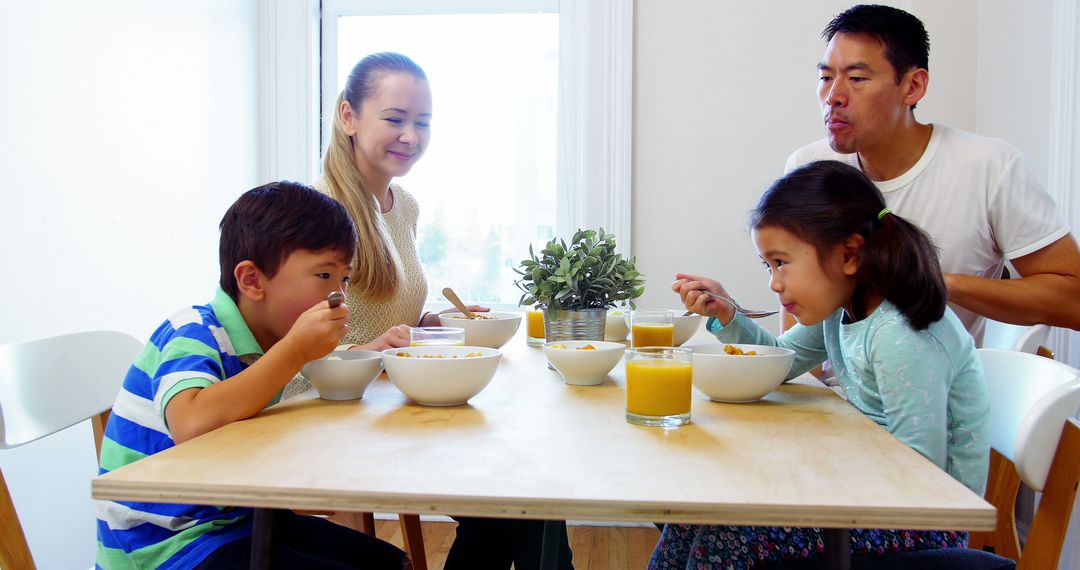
335	298
453	298
751	313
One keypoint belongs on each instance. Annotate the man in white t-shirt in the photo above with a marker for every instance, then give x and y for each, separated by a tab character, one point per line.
977	197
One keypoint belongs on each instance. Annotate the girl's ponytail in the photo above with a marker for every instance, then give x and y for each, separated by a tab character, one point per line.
899	260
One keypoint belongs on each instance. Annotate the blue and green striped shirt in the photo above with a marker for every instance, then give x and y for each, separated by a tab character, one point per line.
197	347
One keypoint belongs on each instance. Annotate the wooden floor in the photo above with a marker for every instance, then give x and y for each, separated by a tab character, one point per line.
595	547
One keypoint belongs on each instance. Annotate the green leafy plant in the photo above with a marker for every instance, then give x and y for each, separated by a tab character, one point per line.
586	274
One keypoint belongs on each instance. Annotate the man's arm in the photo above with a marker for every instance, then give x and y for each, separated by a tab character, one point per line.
1048	290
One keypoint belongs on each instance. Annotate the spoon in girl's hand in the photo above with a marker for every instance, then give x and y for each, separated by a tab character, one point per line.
453	298
335	298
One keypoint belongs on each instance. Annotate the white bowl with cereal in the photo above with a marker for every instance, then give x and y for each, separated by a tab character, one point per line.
739	372
343	374
441	375
584	362
492	329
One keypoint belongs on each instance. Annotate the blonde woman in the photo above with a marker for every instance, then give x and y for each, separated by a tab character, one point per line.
381	128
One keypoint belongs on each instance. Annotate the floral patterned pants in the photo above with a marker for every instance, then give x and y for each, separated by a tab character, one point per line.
698	547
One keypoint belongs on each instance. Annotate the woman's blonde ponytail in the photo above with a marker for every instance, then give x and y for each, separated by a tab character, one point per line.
376	266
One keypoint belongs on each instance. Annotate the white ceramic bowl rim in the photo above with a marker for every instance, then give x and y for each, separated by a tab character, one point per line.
574	344
496	316
717	349
448	351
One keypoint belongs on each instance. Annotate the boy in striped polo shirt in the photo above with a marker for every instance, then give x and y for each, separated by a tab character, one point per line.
284	247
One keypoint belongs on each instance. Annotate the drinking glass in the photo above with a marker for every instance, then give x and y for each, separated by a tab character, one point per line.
534	328
658	386
437	336
652	328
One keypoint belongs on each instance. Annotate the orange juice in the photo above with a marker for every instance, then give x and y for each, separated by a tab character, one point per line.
647	334
534	324
658	387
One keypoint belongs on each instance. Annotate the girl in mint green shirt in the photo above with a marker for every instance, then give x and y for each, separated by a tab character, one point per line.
868	294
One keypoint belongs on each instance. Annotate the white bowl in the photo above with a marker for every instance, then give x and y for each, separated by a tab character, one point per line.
730	378
491	329
685	326
441	375
616	329
343	374
583	367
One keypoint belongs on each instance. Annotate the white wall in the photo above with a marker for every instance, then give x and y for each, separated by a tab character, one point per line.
723	92
1013	84
127	127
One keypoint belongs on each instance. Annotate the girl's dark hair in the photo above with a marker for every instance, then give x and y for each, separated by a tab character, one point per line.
268	223
826	202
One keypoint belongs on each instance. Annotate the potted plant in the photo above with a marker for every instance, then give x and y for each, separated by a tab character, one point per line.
575	284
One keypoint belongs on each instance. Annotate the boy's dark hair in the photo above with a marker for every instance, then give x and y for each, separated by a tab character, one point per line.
826	202
268	223
907	44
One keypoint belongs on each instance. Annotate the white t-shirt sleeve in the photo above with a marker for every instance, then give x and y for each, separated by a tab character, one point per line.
1023	215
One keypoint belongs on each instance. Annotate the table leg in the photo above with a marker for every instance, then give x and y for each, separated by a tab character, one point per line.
549	554
838	549
262	533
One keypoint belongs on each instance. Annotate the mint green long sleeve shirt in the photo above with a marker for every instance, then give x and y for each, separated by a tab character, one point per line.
924	387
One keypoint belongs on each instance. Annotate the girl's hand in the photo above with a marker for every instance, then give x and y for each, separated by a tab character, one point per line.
394	337
432	319
317	331
689	288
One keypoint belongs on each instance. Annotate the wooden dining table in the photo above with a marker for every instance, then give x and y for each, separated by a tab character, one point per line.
531	446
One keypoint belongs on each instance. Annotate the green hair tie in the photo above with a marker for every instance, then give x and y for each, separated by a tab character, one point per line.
882	213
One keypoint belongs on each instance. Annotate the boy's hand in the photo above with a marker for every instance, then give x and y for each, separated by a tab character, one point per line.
318	331
394	337
689	288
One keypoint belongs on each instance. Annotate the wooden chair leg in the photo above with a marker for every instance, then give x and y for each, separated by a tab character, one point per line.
98	422
1005	484
414	540
367	523
1051	524
14	551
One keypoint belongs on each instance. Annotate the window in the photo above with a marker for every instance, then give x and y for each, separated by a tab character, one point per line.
521	89
486	185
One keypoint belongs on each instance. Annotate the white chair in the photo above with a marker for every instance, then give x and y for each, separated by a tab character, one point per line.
49	385
1031	402
1021	338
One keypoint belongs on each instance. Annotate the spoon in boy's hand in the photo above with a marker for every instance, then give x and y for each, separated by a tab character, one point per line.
335	298
453	298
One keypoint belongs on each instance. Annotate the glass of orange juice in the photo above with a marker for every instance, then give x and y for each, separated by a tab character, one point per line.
534	328
437	336
652	328
658	386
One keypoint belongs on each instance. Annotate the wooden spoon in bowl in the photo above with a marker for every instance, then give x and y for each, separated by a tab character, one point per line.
453	298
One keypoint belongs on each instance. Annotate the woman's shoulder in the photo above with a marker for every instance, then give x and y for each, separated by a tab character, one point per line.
404	202
401	195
